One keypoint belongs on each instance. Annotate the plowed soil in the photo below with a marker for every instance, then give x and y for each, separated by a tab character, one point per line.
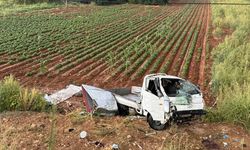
98	72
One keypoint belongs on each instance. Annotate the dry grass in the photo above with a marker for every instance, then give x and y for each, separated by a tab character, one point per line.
179	142
77	118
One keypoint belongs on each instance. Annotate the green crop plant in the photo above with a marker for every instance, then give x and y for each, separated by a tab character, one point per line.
43	69
198	56
111	58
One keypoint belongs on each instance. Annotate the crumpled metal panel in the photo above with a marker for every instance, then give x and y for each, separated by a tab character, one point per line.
63	94
104	100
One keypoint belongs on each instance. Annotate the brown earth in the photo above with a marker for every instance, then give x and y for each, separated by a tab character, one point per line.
31	130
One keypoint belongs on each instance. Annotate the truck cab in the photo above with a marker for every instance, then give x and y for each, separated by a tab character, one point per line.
165	97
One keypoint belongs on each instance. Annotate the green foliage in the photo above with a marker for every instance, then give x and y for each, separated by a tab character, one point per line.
43	69
10	7
132	1
218	32
111	58
231	68
231	64
9	94
148	2
14	97
31	100
233	105
232	57
108	2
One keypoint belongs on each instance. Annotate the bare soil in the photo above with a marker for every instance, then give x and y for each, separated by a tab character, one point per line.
31	130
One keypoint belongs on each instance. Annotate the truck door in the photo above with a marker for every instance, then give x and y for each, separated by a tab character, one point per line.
152	99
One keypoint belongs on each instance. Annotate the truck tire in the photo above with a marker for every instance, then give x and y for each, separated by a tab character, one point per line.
156	125
123	110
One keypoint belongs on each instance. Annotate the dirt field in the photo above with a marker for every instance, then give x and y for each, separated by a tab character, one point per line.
116	48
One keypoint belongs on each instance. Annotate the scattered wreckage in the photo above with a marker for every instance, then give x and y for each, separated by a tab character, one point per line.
162	99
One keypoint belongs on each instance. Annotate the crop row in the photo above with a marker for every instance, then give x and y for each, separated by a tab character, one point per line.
186	65
172	38
50	47
102	49
142	52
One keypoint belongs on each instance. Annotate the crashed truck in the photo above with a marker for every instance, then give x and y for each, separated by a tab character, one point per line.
162	99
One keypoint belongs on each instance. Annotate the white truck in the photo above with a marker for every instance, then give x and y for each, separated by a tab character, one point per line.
162	98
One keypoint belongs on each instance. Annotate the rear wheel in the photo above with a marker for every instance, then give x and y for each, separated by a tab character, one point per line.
156	125
123	110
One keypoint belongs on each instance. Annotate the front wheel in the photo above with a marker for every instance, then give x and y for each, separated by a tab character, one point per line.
156	125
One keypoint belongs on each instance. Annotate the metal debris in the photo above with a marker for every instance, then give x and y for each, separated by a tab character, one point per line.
115	147
63	94
152	133
225	144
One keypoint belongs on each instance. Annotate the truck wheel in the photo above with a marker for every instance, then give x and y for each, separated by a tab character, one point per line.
156	125
123	110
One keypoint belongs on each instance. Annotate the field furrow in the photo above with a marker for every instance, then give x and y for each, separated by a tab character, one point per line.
105	46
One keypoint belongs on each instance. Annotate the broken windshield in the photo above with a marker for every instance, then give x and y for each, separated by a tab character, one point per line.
188	87
174	87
